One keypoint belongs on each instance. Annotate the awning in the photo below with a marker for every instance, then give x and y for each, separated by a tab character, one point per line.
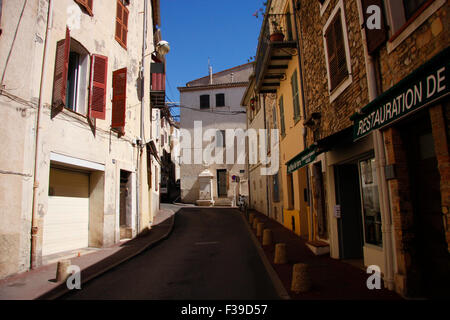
423	86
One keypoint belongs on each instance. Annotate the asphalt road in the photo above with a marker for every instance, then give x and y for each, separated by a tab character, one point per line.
209	255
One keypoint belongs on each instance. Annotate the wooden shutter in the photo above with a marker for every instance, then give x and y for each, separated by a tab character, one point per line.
337	59
158	82
87	5
282	124
97	88
60	75
119	98
375	37
121	24
296	102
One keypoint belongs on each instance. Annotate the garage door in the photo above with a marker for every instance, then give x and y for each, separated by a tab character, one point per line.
66	224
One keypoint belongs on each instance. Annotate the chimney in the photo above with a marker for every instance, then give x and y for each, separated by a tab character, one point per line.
210	72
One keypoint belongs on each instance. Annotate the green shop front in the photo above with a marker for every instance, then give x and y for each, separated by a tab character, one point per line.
413	117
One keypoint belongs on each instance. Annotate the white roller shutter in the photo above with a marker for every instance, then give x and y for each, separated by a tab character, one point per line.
66	223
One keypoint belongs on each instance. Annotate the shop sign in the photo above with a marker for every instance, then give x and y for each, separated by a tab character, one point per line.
423	86
302	159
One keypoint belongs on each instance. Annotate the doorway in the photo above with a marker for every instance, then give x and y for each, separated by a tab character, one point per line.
222	183
431	259
350	221
126	230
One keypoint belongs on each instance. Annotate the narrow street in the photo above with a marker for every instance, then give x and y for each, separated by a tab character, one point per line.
210	255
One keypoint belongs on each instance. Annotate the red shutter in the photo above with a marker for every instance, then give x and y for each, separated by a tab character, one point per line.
158	82
60	75
125	26
119	98
87	5
97	88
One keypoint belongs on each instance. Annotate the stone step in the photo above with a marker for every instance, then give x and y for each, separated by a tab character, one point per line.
223	202
318	247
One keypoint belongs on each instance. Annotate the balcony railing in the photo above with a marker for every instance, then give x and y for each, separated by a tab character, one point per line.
276	33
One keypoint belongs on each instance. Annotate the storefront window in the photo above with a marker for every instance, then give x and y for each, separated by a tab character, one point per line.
370	202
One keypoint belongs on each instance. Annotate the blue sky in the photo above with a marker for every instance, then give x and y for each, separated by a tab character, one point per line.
224	31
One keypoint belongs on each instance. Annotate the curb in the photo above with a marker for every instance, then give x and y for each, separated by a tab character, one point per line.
279	287
104	270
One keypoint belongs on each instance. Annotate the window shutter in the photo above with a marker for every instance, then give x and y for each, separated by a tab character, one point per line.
60	75
121	24
87	5
125	26
337	59
119	98
97	88
296	102
375	37
283	128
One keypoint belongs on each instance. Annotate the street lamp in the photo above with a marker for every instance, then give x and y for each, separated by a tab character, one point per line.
162	47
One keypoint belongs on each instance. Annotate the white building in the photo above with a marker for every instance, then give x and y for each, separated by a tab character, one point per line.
214	103
73	161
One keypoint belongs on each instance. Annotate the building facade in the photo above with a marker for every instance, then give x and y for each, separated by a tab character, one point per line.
209	106
73	162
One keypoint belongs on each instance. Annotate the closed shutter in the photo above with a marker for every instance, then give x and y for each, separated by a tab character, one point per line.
119	98
87	5
97	92
158	82
375	37
60	75
296	101
283	128
121	24
337	59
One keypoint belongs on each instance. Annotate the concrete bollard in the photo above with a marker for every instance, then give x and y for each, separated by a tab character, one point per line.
280	253
61	270
255	223
259	229
267	237
250	218
301	280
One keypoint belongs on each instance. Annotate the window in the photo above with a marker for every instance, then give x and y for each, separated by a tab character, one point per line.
276	188
204	101
87	5
220	100
122	23
370	202
295	95
71	76
290	182
337	63
119	100
411	6
220	138
283	128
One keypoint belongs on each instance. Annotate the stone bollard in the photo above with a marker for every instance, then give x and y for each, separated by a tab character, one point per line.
61	270
267	237
259	229
255	223
280	253
250	218
301	280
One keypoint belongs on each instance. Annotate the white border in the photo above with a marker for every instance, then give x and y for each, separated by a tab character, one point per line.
323	7
344	85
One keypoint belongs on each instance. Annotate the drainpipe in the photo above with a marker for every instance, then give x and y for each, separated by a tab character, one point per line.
141	143
34	222
298	32
267	143
380	160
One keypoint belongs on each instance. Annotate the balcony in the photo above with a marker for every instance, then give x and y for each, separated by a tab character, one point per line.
276	47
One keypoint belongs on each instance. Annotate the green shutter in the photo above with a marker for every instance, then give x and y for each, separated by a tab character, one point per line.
283	128
295	98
